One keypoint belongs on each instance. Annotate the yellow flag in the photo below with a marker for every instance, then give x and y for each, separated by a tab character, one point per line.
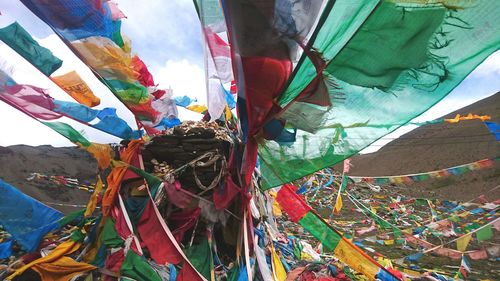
227	111
276	206
463	241
277	209
389	242
338	204
464	214
385	262
93	199
64	248
64	268
72	84
279	272
413	273
197	108
108	60
347	253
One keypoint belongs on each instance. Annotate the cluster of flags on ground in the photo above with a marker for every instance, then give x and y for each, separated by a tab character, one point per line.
437	174
300	212
316	82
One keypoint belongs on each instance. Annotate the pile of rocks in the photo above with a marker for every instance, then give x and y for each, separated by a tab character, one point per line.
195	151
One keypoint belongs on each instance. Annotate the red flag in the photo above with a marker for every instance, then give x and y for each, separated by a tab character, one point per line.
183	221
188	273
145	77
161	243
121	225
217	46
159	93
150	130
145	110
483	199
264	80
114	261
223	196
30	100
160	246
116	13
176	195
291	203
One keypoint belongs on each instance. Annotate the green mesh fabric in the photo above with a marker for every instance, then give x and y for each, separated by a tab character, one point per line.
405	38
386	64
341	23
209	11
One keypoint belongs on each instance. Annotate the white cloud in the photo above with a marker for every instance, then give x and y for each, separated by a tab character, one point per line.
491	66
16	11
162	30
184	77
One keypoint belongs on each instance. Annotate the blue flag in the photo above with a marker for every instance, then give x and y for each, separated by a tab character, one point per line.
25	218
6	249
494	129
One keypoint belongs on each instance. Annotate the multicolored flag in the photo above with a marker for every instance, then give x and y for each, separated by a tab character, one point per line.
332	240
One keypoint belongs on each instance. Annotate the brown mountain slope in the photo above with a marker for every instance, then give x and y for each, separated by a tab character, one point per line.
424	149
439	146
18	161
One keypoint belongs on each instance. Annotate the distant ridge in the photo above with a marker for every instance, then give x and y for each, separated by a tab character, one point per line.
438	146
18	161
424	149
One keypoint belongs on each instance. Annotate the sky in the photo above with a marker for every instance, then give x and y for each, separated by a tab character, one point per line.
167	37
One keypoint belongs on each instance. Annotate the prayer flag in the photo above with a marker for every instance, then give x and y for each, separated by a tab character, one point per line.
291	203
338	204
74	86
463	241
484	233
26	219
279	272
16	37
478	255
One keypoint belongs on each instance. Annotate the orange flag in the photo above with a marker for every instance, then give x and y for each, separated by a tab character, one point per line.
72	84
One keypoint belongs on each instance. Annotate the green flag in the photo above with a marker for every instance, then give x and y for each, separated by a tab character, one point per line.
385	62
484	233
68	132
16	37
136	267
320	230
200	256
